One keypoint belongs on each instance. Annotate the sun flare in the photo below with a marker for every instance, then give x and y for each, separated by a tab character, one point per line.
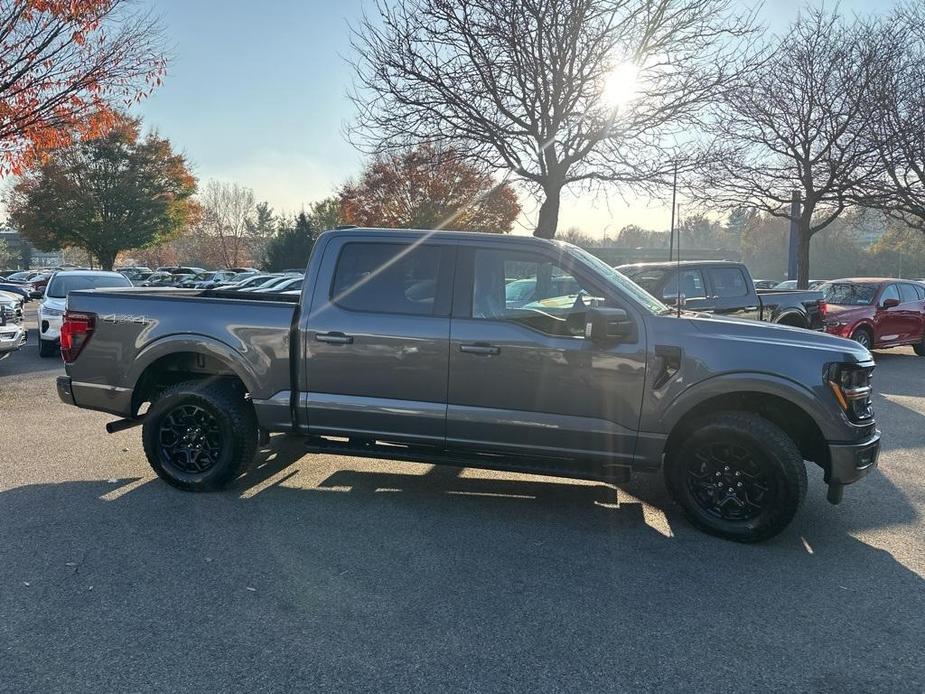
621	85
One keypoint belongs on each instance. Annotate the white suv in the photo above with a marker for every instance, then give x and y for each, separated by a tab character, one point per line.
51	310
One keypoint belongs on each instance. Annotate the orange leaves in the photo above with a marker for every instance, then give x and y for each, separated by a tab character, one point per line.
58	90
429	188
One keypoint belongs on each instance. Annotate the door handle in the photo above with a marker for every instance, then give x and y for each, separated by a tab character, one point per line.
334	338
480	348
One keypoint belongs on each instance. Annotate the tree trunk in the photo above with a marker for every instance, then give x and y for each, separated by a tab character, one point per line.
803	255
107	259
549	213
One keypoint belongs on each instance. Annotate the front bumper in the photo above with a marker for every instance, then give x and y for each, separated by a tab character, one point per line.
50	326
12	337
850	462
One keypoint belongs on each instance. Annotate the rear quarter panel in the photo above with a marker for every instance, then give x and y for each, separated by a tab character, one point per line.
135	328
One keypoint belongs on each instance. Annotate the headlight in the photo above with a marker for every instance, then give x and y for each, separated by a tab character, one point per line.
52	311
851	385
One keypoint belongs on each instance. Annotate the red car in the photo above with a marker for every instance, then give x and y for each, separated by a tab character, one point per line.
878	313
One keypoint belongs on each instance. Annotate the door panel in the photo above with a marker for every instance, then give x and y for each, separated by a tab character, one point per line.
892	324
535	391
731	293
376	342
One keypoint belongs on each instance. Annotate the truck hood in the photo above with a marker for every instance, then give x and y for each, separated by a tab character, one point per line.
51	302
750	331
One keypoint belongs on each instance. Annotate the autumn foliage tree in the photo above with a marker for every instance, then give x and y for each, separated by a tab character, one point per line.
427	188
105	195
66	68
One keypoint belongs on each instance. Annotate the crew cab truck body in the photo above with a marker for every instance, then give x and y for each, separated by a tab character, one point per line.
726	288
404	345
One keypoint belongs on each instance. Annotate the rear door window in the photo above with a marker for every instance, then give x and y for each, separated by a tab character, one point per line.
692	286
728	282
908	293
389	278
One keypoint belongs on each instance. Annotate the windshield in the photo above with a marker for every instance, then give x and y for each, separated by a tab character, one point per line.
849	293
60	286
622	282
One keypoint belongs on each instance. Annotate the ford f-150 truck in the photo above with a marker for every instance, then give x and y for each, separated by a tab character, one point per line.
412	346
726	288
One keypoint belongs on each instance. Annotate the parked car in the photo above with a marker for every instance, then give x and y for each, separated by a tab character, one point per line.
206	280
291	284
133	271
254	281
726	288
22	276
39	283
765	284
878	313
599	384
52	308
13	333
792	284
139	278
268	284
180	270
24	291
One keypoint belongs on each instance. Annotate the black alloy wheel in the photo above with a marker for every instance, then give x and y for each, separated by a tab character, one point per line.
727	482
189	440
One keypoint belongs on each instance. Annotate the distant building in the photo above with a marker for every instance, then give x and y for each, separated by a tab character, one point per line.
25	255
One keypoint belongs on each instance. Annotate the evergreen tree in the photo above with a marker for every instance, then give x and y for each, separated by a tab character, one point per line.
292	245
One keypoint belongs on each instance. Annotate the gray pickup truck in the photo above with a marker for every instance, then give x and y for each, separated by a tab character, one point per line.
726	288
415	346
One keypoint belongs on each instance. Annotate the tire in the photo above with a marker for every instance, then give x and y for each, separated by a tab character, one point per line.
863	337
48	348
222	430
920	347
730	457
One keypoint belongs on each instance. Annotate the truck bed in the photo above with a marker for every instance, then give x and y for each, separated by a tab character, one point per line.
134	328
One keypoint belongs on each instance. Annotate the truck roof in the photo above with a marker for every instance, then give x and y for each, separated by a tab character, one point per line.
683	263
444	234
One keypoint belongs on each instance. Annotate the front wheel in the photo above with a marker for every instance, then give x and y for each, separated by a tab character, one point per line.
920	347
200	436
863	338
737	475
48	348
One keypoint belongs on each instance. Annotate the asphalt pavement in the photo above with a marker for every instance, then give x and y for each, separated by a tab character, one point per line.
317	573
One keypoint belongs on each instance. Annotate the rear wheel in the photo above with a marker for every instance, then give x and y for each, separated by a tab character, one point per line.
200	436
48	348
737	476
863	337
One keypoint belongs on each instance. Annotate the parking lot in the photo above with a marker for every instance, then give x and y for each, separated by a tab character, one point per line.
331	573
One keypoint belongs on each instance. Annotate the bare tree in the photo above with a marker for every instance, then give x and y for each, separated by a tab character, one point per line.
558	92
898	128
796	124
228	213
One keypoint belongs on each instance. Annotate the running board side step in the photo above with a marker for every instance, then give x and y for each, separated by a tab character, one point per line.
366	448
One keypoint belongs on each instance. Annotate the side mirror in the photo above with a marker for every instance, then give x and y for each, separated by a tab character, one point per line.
607	324
890	303
674	299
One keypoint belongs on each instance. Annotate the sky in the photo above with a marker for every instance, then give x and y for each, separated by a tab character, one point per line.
256	94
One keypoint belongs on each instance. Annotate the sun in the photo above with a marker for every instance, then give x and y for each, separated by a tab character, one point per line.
621	85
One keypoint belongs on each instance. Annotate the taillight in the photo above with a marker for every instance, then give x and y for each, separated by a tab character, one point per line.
75	333
823	308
